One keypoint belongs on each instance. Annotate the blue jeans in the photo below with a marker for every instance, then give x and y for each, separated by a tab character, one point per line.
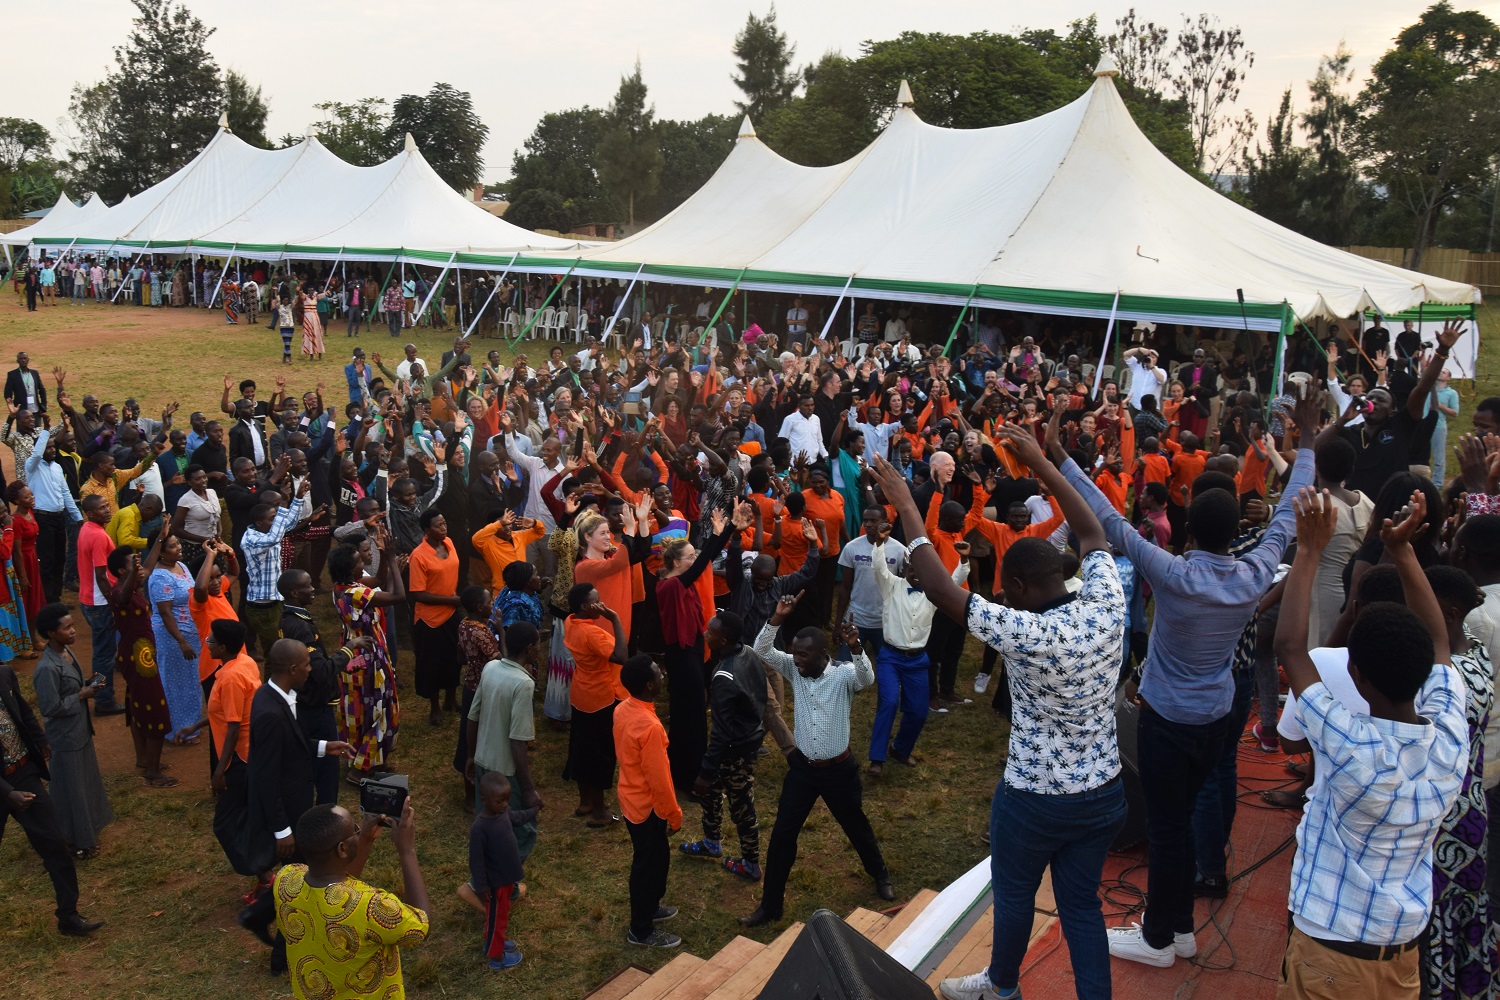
872	639
1072	833
102	630
1175	759
903	674
1213	815
1440	453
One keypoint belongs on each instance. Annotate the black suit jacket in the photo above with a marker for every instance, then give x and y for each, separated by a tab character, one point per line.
15	388
322	684
242	445
30	730
282	764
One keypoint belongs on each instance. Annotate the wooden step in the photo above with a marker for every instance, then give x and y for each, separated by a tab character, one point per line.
712	974
746	983
867	922
621	984
891	931
665	979
970	954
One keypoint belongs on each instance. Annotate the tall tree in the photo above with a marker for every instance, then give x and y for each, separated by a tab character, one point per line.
1211	63
246	108
1272	179
447	130
764	57
354	132
160	104
629	160
1429	117
1331	187
691	152
553	183
1142	50
22	141
28	174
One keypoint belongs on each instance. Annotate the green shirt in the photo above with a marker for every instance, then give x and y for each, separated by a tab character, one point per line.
502	707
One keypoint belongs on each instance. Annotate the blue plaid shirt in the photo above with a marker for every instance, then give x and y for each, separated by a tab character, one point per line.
1363	870
263	554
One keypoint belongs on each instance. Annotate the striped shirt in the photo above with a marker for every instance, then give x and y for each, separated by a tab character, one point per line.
820	724
263	553
1363	870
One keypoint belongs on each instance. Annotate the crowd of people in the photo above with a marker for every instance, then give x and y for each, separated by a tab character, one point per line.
733	524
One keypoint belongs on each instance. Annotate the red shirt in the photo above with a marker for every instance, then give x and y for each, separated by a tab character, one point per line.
94	547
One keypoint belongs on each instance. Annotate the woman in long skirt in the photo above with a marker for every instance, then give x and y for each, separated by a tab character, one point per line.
231	299
15	634
556	706
146	710
369	714
312	326
23	557
62	696
177	641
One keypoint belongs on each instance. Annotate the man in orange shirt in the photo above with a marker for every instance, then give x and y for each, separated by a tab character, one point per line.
1251	481
504	540
1187	464
228	722
793	546
647	800
947	523
824	505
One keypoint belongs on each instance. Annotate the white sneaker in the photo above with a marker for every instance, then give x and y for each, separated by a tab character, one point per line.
1130	943
975	987
981	683
1185	945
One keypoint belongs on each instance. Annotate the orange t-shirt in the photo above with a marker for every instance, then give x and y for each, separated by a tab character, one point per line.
1186	466
829	510
765	505
1252	476
436	576
596	679
216	606
229	701
645	784
1157	468
613	579
498	553
793	546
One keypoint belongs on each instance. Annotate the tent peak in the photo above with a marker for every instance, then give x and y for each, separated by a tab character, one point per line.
411	144
903	95
747	130
224	120
1107	66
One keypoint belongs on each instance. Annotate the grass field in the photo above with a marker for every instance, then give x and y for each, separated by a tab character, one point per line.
170	898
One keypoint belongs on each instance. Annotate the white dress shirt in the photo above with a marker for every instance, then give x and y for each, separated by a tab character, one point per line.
290	697
908	612
804	434
1144	381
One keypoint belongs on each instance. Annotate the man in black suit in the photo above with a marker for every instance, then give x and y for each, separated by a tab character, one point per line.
246	440
318	695
23	386
23	767
283	770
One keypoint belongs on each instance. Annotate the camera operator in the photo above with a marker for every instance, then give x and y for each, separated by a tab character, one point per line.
322	907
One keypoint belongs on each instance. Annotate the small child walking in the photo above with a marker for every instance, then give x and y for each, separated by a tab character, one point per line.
495	865
288	324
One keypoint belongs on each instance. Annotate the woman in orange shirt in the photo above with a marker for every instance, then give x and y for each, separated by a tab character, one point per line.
826	505
606	565
596	637
433	569
1169	408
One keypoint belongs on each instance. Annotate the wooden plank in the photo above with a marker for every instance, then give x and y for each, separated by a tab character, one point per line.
902	920
747	982
667	977
709	977
620	984
972	952
867	922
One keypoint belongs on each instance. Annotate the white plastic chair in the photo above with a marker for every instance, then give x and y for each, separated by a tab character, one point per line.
580	326
511	325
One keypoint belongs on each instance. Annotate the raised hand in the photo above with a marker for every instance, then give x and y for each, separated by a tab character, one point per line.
1022	443
1409	524
59	375
743	515
718	521
1449	334
787	603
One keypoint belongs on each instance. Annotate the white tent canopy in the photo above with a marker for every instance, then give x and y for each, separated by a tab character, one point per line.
299	202
1059	214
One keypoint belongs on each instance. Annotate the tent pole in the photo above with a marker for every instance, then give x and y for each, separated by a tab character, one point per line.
221	275
1109	329
610	326
329	283
480	311
542	308
959	321
828	323
458	280
1278	370
720	311
434	289
126	272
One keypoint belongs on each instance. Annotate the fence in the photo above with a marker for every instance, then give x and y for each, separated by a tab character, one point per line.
11	225
1481	269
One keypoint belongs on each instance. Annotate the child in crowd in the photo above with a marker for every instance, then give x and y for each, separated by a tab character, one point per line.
495	865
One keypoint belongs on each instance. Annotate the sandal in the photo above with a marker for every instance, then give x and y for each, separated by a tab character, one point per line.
598	825
747	870
1297	767
701	849
160	781
1280	798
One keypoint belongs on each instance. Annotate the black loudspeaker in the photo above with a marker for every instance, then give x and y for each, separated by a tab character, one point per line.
832	961
1134	830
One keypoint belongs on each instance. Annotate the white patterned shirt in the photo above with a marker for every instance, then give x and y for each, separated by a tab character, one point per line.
1063	664
1363	870
820	722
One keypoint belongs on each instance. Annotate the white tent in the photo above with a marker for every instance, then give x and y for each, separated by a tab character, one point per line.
303	202
1074	213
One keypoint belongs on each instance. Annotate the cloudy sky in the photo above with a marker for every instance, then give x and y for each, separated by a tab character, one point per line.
521	60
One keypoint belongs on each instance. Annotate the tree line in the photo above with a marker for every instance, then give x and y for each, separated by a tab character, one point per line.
1410	159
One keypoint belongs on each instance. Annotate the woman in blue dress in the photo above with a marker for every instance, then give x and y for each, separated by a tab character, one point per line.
176	639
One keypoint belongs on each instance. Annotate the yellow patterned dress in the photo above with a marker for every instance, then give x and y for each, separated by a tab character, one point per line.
344	940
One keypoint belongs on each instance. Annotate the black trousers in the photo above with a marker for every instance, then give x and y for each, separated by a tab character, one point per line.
839	788
687	728
52	551
318	723
39	822
944	647
650	859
